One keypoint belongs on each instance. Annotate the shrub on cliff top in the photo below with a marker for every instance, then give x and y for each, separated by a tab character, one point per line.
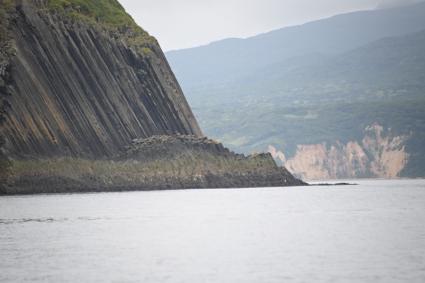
108	14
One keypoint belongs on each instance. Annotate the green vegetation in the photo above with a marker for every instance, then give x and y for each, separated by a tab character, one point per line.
6	5
155	163
321	82
5	46
190	169
106	14
133	171
6	50
286	126
5	167
323	102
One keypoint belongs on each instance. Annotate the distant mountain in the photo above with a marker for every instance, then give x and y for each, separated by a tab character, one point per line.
388	4
330	104
387	67
232	58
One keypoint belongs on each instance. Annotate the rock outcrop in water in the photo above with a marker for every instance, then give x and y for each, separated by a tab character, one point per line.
88	100
155	163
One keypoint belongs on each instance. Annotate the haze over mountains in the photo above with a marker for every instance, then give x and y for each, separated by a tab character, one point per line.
387	4
327	37
323	83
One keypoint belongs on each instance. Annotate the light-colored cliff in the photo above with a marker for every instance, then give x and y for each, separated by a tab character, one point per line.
379	154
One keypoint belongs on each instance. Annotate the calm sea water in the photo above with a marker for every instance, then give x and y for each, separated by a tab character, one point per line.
374	232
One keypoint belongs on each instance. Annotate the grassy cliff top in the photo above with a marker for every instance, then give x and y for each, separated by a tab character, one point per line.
108	14
105	12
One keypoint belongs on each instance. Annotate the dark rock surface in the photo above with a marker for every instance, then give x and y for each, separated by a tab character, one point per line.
5	79
79	92
155	163
86	110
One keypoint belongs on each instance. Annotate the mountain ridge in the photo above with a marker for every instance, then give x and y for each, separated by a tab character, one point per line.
317	98
328	36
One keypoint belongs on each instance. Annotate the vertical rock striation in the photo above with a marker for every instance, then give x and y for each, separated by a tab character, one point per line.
89	103
78	91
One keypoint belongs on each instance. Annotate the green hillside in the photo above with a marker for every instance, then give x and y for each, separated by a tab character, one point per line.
318	99
232	59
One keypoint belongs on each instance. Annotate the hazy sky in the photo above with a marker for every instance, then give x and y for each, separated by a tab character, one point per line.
186	23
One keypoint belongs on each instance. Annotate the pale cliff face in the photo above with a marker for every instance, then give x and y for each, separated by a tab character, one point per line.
377	155
388	153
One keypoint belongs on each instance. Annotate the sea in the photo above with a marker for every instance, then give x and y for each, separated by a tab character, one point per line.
371	232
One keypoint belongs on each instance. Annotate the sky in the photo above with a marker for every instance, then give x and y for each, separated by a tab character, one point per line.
179	24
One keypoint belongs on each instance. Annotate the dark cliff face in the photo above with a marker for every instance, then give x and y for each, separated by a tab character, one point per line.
90	104
77	91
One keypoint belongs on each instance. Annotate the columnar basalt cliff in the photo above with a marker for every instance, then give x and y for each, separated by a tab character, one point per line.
76	90
79	82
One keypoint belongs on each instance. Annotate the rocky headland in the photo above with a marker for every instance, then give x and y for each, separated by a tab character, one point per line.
154	163
89	103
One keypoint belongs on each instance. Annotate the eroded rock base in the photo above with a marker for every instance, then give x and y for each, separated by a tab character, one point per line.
156	163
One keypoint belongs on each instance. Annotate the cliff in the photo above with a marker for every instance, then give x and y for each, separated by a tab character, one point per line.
319	83
79	82
79	91
380	154
155	163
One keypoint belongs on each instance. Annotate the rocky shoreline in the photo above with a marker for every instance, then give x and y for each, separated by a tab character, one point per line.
156	163
91	104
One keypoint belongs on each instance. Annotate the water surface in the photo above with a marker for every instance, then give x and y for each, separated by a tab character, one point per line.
374	232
